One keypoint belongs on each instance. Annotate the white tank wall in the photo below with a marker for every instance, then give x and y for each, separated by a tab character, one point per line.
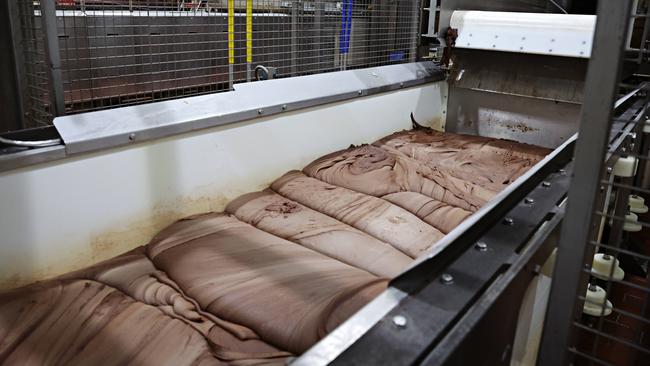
69	214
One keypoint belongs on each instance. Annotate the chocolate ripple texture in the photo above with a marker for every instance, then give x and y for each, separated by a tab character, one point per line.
263	281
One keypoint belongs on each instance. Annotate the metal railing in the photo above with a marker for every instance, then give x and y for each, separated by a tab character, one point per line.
122	52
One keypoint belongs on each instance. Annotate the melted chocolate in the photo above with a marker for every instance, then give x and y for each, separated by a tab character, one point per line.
283	268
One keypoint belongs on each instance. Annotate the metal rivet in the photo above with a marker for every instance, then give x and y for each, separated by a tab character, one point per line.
584	42
401	85
609	169
496	36
132	136
546	184
508	221
470	34
284	107
582	53
260	111
468	43
399	321
481	246
523	38
552	39
359	92
494	46
529	201
602	188
551	50
562	171
521	48
446	278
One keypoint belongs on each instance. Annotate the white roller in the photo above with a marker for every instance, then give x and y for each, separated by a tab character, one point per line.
602	267
595	298
539	33
625	167
631	223
637	204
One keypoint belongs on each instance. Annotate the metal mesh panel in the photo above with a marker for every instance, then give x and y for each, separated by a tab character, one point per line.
37	93
121	52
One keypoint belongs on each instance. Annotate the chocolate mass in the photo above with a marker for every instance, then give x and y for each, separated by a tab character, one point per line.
280	269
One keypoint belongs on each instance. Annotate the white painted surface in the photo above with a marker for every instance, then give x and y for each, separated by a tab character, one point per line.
69	214
538	33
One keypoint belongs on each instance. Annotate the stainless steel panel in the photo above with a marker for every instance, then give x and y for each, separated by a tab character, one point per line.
535	121
115	127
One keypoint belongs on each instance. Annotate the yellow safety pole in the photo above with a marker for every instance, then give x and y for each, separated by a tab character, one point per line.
249	38
231	42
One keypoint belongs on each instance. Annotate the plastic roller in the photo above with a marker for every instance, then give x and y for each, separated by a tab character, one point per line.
601	267
625	167
637	204
631	223
595	298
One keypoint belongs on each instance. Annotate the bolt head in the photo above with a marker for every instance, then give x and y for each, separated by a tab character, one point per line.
260	111
132	136
359	92
508	221
529	201
284	107
446	278
546	184
482	246
562	171
399	321
609	169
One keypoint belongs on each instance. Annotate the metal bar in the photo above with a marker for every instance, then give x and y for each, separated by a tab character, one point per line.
415	30
231	43
294	36
48	18
600	93
249	38
18	46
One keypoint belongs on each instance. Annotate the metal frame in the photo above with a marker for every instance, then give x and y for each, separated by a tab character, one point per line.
48	17
101	130
600	92
438	313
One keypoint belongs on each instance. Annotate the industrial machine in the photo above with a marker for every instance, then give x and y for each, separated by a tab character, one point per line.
99	183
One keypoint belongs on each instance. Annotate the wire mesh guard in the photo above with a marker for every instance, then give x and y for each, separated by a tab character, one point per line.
121	52
614	325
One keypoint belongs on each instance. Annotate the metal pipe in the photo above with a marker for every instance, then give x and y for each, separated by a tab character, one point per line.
22	143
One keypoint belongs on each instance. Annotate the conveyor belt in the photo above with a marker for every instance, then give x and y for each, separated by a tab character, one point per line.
240	288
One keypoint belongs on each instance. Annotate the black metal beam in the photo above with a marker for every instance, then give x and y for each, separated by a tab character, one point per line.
10	95
600	92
